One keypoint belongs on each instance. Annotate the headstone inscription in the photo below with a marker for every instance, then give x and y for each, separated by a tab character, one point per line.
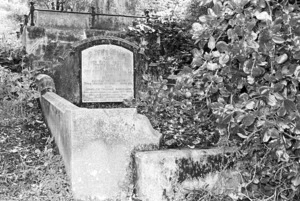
107	74
107	70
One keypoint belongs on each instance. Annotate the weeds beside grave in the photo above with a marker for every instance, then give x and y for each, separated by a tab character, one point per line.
30	165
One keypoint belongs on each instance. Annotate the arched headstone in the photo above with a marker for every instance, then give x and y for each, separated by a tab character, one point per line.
99	70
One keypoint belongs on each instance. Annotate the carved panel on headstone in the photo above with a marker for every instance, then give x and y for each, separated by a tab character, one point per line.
107	74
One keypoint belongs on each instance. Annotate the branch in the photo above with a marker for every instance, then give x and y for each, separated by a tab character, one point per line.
294	138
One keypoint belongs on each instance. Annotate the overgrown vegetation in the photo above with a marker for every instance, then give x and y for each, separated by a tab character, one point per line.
241	89
231	81
30	165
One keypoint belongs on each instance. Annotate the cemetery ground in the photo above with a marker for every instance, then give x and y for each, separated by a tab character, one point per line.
30	165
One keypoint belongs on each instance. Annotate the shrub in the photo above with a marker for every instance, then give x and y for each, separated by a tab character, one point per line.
243	88
17	90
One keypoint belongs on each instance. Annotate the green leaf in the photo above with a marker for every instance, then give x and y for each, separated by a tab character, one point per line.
197	27
238	31
278	39
224	121
248	120
279	96
297	127
264	16
216	105
296	55
282	155
30	104
281	112
271	133
216	54
250	79
250	105
222	46
242	136
217	8
205	2
289	105
205	18
212	66
257	71
272	100
278	87
224	59
262	3
253	44
296	180
248	65
264	90
170	142
297	31
211	43
282	58
210	12
278	21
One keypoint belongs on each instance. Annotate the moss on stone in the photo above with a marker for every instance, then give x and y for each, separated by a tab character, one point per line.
69	37
191	169
52	36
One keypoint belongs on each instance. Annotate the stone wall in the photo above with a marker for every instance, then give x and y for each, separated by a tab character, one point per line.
62	20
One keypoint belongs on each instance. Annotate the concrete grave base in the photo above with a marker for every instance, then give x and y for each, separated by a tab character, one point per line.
172	174
96	145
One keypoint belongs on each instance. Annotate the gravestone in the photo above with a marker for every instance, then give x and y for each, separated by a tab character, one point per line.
100	69
107	74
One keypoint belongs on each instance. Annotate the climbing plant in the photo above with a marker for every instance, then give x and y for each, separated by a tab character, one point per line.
241	89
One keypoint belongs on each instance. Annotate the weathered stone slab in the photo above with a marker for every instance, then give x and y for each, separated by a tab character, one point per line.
58	115
118	57
113	23
171	174
62	20
96	145
107	74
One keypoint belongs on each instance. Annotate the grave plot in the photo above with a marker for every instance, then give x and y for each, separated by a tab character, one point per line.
96	144
109	153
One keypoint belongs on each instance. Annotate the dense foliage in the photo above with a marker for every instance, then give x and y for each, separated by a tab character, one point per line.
241	89
237	84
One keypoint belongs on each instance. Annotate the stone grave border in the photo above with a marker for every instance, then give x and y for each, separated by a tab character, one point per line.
107	40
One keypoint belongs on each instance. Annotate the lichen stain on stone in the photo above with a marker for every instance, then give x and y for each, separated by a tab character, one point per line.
67	37
52	36
35	32
191	169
